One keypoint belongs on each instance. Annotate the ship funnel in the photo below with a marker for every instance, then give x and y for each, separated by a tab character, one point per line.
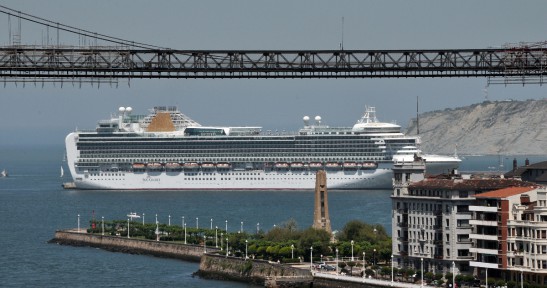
120	117
318	120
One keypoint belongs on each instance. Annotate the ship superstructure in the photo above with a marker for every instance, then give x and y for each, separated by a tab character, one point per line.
167	150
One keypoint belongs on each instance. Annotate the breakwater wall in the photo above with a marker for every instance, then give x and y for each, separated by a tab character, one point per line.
129	245
260	272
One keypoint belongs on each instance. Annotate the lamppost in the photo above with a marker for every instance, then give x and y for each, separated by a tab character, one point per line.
158	229
352	250
211	223
204	244
364	265
143	218
311	258
336	261
78	222
156	218
392	270
321	258
197	223
127	227
292	251
486	277
257	227
227	246
241	228
246	248
226	229
102	224
521	278
184	233
453	274
216	236
169	220
221	240
421	271
374	257
183	222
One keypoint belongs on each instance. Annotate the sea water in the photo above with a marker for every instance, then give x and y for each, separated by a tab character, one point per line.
33	205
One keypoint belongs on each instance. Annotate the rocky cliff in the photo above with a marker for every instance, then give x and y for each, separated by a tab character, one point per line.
506	127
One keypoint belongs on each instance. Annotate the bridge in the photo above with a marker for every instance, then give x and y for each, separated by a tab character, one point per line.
521	63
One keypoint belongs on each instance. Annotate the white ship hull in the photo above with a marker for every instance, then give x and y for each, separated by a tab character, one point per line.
235	180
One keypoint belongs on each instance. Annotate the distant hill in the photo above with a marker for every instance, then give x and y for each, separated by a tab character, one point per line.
506	127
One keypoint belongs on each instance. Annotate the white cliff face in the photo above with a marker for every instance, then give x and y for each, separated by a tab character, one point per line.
506	127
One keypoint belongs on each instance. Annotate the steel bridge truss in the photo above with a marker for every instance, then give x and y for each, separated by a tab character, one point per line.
500	65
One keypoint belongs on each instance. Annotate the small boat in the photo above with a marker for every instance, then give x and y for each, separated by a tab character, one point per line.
350	165
4	173
332	165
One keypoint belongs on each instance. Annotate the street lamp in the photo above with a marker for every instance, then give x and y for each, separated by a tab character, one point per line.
78	222
227	245
216	236
336	261
321	258
246	248
156	218
364	265
392	271
226	229
158	229
211	223
352	250
127	227
221	240
311	258
197	223
374	257
422	271
184	233
143	218
453	274
292	251
102	225
183	222
241	229
257	227
169	220
204	244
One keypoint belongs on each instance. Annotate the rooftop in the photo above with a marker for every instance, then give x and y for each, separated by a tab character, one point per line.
469	184
505	192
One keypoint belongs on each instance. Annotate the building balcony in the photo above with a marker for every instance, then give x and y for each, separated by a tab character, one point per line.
483	222
483	251
466	257
483	237
483	264
403	224
483	208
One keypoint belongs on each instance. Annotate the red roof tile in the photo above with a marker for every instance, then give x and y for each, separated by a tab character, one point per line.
506	192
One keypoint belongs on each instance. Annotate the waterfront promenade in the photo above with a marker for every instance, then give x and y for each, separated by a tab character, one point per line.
361	280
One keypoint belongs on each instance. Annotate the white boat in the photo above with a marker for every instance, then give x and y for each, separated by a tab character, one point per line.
4	173
230	158
434	164
62	172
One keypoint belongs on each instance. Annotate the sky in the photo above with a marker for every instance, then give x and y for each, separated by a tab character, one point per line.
32	114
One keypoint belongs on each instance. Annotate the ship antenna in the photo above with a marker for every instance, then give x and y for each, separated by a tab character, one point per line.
417	117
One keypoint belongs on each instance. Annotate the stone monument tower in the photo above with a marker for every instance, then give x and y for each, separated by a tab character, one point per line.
321	218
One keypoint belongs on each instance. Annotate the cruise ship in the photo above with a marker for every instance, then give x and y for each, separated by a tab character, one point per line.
167	150
435	164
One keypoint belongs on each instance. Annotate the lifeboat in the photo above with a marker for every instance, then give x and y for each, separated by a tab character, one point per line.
332	165
154	166
369	165
297	165
191	165
316	165
138	166
281	165
172	165
207	165
350	165
223	165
